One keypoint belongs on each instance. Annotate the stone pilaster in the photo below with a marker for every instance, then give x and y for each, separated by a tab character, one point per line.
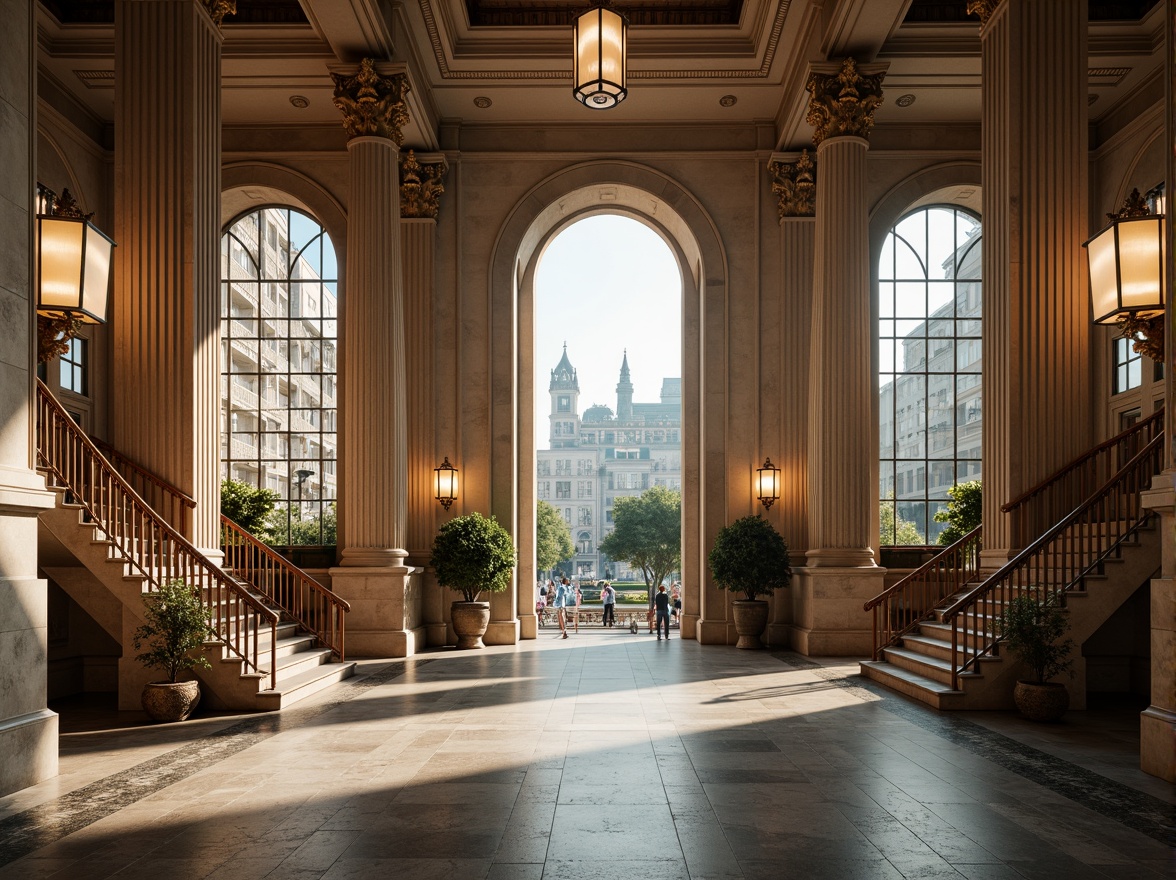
28	729
1037	406
840	571
385	619
167	272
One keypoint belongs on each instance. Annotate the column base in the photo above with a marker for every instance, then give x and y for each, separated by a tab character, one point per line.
689	626
840	557
502	632
828	606
716	632
778	636
1157	743
529	626
28	744
386	618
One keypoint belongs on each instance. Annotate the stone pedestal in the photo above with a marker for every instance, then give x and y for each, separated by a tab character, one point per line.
1157	724
387	613
828	612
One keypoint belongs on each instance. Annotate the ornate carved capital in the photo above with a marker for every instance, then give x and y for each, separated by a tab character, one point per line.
795	186
420	187
218	9
843	104
372	104
983	8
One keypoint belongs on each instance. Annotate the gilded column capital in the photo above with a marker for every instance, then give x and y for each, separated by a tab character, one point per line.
842	104
372	103
421	186
983	8
795	186
218	9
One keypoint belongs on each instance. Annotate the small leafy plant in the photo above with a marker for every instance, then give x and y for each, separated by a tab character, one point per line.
472	553
750	557
176	625
963	512
1033	628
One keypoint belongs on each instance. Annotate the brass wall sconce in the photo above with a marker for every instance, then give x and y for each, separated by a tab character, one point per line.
767	483
1126	262
74	263
445	483
600	65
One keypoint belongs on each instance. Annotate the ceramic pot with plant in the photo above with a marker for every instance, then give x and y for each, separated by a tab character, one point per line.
750	557
1033	627
472	555
176	627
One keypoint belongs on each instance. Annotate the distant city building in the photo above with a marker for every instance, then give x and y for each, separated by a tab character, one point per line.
596	458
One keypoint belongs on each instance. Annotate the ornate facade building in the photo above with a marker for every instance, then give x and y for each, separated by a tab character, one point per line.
598	457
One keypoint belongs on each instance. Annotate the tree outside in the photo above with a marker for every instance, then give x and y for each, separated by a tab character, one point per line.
553	543
964	512
647	534
895	530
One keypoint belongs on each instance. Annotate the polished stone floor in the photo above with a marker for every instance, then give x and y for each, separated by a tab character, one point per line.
608	755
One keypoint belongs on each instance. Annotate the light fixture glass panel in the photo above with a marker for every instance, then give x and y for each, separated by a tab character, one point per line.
1104	276
600	63
1140	243
61	269
97	284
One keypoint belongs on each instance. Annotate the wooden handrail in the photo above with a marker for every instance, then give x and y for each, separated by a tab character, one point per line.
163	497
147	543
1039	507
317	609
903	606
1058	561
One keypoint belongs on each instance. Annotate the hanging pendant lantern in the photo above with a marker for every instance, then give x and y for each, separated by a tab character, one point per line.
600	59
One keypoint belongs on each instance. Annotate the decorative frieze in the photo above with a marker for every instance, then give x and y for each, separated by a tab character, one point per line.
842	104
795	186
372	104
983	8
420	187
218	9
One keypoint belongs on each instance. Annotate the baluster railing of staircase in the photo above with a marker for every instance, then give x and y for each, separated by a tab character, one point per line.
903	606
152	547
164	498
315	607
1039	507
1058	561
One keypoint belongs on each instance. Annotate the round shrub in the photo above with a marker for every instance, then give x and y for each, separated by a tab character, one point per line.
472	553
750	557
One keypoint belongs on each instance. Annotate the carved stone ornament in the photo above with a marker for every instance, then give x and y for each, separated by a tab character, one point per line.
372	104
843	104
795	186
983	8
1134	206
420	187
218	9
54	334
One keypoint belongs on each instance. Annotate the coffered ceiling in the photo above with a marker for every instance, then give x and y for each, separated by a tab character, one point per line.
508	62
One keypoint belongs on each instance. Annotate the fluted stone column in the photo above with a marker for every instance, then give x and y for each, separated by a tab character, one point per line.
28	729
385	618
840	572
167	224
1036	357
420	195
1157	727
794	184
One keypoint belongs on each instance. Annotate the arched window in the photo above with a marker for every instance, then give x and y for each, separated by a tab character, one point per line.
279	332
929	368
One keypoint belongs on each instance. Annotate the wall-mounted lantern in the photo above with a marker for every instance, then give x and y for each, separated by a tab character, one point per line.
767	483
445	483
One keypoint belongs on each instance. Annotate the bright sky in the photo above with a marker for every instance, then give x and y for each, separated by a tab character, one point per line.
606	284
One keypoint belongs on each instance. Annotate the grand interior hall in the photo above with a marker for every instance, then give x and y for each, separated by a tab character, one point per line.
289	249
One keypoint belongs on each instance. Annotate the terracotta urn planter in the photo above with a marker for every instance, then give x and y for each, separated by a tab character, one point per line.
1041	702
170	701
470	620
751	619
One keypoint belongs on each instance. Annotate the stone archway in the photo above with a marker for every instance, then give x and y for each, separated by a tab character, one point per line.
667	207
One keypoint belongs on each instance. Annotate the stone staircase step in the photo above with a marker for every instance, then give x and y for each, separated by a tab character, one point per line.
926	690
922	665
304	684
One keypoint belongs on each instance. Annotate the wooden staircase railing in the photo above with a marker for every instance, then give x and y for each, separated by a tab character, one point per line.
915	598
164	498
316	608
151	546
1058	561
1045	504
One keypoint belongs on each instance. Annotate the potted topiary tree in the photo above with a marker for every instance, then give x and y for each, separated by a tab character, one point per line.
176	626
1033	627
750	557
472	554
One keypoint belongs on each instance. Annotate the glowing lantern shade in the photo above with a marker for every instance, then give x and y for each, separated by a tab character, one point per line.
600	65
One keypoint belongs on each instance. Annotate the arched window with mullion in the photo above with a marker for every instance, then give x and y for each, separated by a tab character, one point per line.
929	335
279	333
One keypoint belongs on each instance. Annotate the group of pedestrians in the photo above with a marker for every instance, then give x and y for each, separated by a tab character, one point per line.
561	596
566	597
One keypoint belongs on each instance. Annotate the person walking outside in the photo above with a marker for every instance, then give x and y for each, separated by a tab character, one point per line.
562	595
661	604
609	597
576	608
676	603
